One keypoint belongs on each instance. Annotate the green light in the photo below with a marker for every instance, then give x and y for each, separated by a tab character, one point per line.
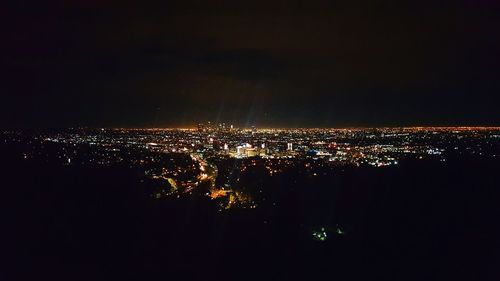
319	235
340	231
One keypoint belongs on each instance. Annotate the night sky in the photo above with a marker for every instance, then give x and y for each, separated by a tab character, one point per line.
265	63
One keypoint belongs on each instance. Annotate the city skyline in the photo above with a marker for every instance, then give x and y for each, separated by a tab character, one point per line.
250	140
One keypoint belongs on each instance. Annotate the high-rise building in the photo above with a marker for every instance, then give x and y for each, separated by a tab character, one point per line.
263	150
210	127
240	150
290	146
200	128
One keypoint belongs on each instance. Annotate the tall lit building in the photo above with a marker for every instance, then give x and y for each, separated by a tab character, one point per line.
263	150
290	146
200	127
240	150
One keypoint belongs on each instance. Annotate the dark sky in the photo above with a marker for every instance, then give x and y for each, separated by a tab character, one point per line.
264	63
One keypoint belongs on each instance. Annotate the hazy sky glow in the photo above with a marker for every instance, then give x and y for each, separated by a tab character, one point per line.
268	63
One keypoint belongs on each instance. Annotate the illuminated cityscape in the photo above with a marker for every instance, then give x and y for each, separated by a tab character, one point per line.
223	162
250	140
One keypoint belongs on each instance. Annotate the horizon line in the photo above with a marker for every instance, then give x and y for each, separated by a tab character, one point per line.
267	128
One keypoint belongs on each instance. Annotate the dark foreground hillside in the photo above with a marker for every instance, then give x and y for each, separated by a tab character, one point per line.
416	221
